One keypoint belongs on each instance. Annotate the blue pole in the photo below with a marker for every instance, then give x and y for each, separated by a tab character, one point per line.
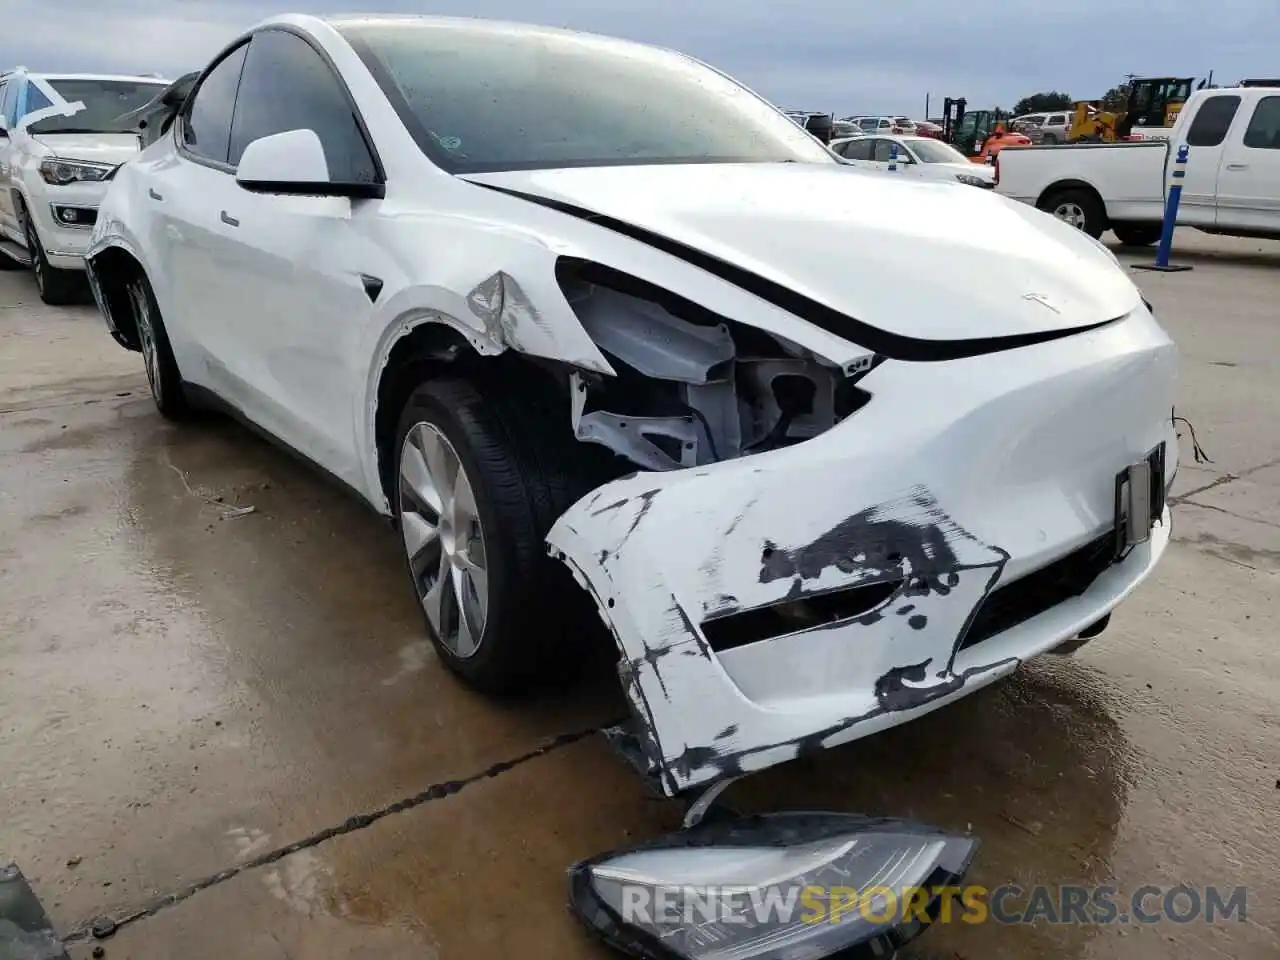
893	157
1165	248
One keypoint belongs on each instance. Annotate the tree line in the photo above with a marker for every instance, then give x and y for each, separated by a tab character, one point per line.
1113	99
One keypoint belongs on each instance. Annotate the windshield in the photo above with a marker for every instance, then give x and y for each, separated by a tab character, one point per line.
935	151
105	102
485	97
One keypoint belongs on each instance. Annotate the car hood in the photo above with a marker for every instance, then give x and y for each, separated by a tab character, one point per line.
983	171
93	147
911	258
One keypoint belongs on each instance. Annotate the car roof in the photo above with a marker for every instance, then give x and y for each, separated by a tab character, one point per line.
132	78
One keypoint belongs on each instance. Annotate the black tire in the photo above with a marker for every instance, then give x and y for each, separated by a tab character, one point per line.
1080	207
1137	234
524	472
163	376
58	288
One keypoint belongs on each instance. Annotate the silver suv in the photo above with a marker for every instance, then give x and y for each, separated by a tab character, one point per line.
1044	127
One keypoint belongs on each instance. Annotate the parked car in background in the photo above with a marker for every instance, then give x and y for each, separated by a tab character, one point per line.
927	128
1231	184
921	157
842	129
897	125
1046	128
61	135
813	486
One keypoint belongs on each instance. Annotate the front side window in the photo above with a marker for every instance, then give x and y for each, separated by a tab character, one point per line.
6	92
935	151
206	131
106	102
485	97
885	150
1057	120
1264	125
859	149
1212	121
36	100
287	86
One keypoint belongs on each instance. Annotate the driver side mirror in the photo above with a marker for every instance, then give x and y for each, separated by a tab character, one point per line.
293	163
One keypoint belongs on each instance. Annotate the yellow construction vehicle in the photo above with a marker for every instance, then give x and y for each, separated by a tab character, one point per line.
1153	103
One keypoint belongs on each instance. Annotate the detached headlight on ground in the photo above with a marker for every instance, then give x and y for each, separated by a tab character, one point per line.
788	886
62	172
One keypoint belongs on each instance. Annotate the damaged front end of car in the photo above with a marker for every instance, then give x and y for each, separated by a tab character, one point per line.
812	550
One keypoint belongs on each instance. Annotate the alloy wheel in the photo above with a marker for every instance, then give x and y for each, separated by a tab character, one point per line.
443	539
1071	213
37	259
147	337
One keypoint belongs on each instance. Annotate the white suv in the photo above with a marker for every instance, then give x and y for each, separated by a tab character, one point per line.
61	135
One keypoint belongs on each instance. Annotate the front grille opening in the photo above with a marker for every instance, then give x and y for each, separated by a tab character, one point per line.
1033	594
789	616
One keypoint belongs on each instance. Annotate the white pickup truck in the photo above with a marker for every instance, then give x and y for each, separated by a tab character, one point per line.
1232	182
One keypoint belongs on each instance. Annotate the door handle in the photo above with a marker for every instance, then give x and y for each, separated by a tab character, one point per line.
153	195
1237	166
229	220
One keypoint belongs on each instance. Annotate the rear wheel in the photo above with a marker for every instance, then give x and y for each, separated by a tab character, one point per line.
480	479
1137	234
1079	207
57	287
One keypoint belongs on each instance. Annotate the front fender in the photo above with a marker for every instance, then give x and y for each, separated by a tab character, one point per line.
495	286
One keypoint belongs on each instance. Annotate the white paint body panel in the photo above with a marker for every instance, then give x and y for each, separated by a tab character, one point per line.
1010	449
1008	459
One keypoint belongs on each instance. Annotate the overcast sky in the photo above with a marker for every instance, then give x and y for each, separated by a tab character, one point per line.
840	55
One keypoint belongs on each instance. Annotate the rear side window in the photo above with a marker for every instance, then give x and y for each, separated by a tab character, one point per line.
1057	120
206	132
1212	121
288	86
1264	125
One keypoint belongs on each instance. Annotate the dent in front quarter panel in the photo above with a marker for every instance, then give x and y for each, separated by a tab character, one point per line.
493	283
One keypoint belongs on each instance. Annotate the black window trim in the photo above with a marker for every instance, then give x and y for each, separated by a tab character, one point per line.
178	130
380	172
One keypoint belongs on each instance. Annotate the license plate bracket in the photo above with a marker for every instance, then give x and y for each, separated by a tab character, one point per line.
1140	501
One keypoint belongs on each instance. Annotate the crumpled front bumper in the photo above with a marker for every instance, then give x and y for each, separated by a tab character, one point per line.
956	480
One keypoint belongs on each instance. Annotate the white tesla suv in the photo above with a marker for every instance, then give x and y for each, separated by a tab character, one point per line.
824	449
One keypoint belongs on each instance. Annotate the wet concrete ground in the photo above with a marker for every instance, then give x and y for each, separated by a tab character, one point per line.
229	735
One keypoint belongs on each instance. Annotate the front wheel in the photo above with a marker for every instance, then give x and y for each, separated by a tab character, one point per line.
56	287
1137	234
157	356
1080	208
480	479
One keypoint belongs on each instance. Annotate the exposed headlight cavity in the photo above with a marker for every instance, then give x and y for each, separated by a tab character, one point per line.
692	387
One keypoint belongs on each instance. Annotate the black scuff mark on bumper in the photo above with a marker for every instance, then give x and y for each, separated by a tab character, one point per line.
909	538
